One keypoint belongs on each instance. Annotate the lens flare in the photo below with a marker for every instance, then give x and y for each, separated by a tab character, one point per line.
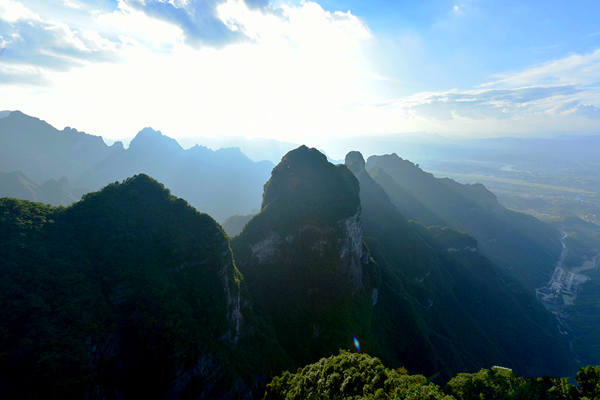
356	343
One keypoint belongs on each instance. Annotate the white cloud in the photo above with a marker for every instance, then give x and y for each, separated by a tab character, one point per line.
303	72
73	4
132	26
574	69
561	95
12	11
298	76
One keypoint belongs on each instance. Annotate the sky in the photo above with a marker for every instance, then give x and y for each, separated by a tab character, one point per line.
300	70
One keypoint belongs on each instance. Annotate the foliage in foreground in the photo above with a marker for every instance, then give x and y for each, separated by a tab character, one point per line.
353	376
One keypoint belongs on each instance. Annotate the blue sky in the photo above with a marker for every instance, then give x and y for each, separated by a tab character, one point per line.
299	69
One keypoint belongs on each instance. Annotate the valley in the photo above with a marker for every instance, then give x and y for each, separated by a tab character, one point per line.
561	290
571	293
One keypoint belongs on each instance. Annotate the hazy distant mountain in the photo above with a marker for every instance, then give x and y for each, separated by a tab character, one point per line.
522	245
236	223
222	182
257	149
42	152
16	184
55	192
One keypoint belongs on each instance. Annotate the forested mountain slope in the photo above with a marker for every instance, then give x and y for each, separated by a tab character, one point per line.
128	293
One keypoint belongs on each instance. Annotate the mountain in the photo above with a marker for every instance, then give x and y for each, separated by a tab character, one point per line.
55	192
16	184
128	293
257	149
329	258
235	224
42	152
131	293
222	182
436	293
523	246
303	257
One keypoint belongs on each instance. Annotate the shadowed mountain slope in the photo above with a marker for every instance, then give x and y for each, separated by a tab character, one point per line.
470	316
523	246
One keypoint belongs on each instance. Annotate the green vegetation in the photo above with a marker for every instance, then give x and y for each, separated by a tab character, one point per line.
130	291
352	376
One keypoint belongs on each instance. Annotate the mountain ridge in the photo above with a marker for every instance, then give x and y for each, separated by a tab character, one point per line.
43	153
523	246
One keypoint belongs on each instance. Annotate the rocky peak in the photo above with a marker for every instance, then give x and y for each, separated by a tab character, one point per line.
355	162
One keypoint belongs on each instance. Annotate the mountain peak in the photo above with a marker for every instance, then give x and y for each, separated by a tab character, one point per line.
138	189
149	131
355	162
305	179
304	156
151	139
21	116
144	182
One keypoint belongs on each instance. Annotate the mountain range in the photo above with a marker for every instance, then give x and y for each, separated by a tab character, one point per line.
131	292
222	182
